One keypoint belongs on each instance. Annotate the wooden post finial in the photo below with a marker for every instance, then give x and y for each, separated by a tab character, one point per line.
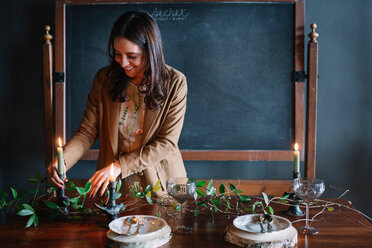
313	35
47	37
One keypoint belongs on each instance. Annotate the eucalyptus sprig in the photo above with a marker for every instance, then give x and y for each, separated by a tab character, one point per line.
29	209
136	191
207	197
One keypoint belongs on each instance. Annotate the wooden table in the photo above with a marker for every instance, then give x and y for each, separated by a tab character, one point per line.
337	229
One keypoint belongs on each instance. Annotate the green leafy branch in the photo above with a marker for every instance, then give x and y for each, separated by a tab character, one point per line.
31	208
207	197
146	194
117	194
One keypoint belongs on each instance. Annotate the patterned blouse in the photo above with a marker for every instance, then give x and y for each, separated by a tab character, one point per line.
132	115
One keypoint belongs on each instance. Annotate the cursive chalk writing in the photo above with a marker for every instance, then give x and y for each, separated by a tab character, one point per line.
170	14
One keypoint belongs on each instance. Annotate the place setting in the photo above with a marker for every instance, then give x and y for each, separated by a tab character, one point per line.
147	230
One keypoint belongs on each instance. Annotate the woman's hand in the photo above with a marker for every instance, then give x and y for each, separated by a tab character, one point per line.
102	178
52	174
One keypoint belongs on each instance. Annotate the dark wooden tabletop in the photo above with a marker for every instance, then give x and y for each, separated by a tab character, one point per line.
338	228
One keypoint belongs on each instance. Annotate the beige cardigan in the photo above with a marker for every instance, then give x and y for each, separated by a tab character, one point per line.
158	158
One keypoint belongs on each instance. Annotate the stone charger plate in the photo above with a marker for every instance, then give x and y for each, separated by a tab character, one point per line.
147	224
250	223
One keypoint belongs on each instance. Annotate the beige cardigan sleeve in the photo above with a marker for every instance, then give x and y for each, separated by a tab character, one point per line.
88	131
170	126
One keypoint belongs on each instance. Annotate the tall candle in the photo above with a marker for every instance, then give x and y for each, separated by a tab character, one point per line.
112	178
60	157
296	167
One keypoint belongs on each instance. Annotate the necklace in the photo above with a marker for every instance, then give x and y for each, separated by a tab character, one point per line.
128	121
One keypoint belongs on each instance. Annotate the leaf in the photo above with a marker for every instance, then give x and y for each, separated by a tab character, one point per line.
200	192
87	187
271	210
75	205
238	191
174	205
51	205
32	191
67	203
148	194
244	198
265	198
149	200
330	209
216	201
222	189
195	195
80	190
158	214
14	193
117	196
118	186
201	203
247	209
33	180
157	186
215	208
30	221
147	189
209	186
51	189
201	183
232	187
36	221
211	191
74	200
285	196
27	206
25	212
140	194
3	194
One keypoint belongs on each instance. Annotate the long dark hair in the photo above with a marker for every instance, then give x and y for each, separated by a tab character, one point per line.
141	29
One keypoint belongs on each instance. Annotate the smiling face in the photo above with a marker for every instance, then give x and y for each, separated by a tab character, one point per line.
131	58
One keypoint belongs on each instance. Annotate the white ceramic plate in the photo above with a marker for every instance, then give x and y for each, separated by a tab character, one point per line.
146	224
250	223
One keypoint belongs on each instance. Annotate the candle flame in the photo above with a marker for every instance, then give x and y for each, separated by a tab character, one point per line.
59	141
296	147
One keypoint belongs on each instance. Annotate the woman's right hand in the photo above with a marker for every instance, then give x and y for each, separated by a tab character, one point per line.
52	174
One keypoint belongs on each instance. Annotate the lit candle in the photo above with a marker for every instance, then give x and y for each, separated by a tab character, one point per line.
296	168
112	178
60	157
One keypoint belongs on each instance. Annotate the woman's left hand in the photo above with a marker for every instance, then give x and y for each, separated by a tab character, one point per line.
102	178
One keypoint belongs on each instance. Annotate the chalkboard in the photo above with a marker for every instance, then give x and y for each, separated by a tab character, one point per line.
238	59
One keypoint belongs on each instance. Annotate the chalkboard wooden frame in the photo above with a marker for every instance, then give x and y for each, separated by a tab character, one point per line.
223	155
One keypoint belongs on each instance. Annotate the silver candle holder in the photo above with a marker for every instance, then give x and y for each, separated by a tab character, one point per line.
112	209
61	197
294	209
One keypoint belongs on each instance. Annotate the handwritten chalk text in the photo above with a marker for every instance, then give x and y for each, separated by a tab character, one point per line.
170	14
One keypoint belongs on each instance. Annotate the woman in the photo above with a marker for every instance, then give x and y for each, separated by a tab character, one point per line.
136	107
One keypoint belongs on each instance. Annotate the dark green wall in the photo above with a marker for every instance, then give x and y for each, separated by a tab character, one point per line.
344	138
